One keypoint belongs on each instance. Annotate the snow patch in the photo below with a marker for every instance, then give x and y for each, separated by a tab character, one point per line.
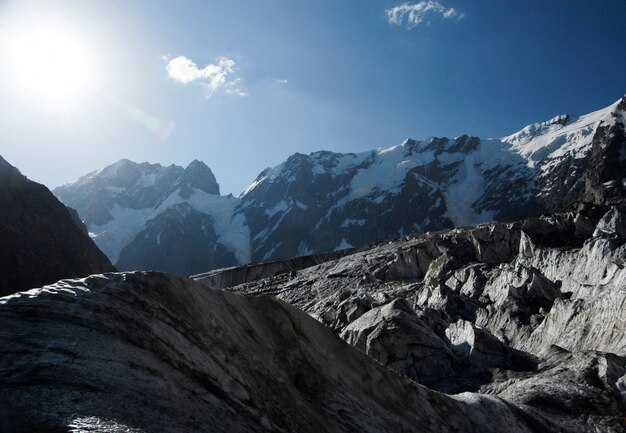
343	245
253	185
113	236
385	174
302	205
352	222
270	253
304	250
115	190
237	239
558	136
468	184
281	206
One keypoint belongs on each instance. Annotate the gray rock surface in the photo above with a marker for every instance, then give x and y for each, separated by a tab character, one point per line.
42	240
613	223
489	309
147	352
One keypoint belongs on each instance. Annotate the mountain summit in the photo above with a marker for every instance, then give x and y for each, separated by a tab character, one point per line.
145	215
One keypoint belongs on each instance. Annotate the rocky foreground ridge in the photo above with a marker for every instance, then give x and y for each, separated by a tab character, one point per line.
148	352
531	312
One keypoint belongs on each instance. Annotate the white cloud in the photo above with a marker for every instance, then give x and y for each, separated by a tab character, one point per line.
234	88
420	13
221	76
282	81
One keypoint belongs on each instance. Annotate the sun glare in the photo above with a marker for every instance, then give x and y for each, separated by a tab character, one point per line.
51	65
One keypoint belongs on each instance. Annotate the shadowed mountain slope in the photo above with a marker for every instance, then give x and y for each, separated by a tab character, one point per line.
42	240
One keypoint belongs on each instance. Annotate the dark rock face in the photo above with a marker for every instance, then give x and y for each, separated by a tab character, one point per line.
606	178
531	311
147	352
42	241
199	176
180	240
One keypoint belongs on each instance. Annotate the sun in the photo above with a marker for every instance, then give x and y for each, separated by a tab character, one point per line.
51	65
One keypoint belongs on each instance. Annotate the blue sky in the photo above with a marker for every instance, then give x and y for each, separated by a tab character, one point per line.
301	76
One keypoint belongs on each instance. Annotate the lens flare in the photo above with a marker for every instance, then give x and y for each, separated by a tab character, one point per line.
162	128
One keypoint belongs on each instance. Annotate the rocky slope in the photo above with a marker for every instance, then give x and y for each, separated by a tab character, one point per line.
147	352
327	201
42	240
530	311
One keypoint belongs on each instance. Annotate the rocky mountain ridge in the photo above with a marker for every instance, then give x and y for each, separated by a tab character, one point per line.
169	211
327	201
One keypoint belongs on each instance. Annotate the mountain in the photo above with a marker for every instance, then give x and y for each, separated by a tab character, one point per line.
327	201
147	352
153	217
530	311
42	240
503	326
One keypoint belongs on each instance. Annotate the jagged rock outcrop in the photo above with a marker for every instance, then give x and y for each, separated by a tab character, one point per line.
147	352
494	308
42	240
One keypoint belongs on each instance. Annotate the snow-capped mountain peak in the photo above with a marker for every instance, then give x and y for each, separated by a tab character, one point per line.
127	200
560	135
